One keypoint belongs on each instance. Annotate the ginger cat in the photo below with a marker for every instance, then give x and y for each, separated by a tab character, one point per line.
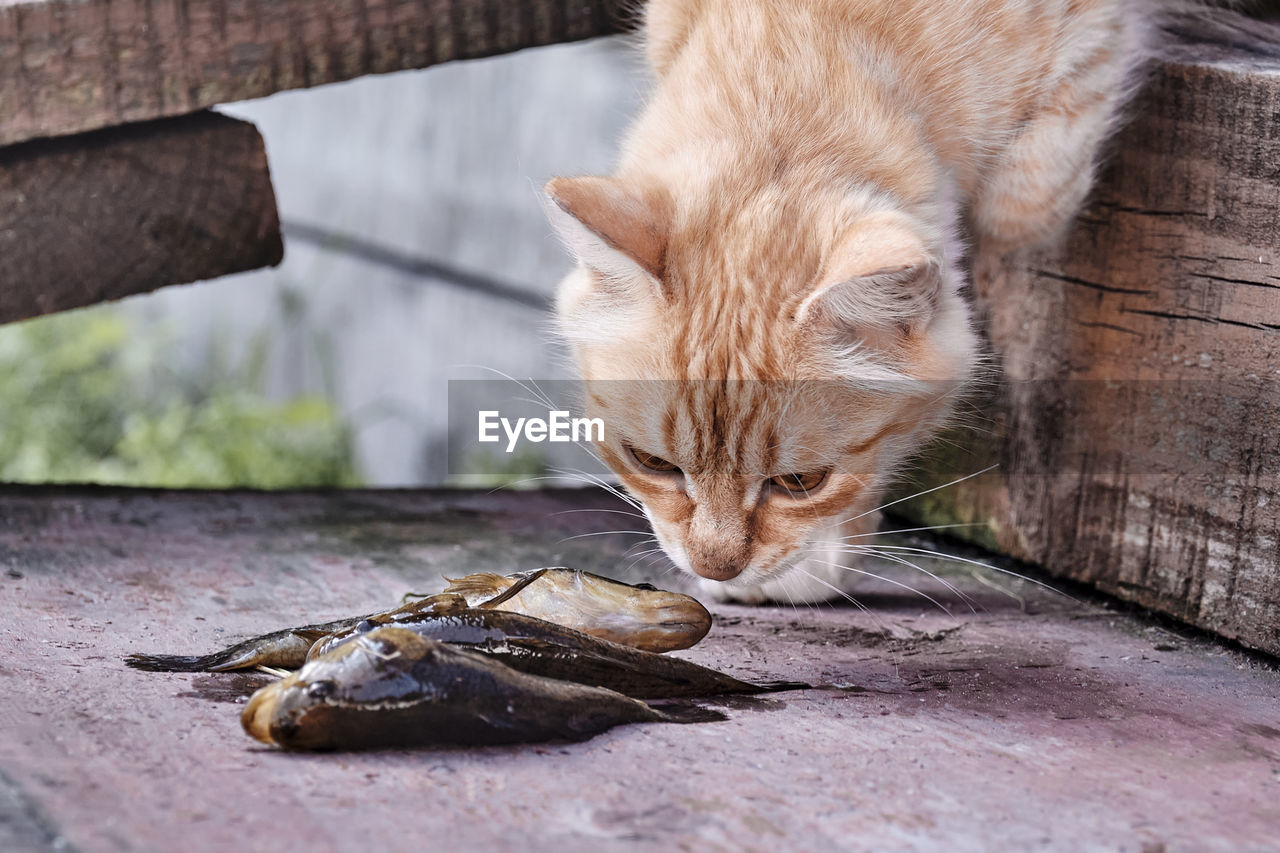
767	309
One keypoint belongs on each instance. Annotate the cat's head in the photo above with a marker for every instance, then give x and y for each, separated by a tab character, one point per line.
760	366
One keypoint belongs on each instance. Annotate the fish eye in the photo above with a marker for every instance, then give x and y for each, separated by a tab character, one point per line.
652	462
647	587
799	484
364	626
320	689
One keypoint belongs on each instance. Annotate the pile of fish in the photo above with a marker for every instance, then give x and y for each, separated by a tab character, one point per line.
542	655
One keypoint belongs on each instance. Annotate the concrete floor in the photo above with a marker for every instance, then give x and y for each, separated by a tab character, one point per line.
1033	723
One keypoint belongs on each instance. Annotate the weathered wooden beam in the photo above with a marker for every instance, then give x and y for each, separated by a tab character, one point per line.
1138	432
72	65
114	212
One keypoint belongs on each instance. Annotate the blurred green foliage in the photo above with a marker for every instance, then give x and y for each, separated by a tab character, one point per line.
87	396
524	469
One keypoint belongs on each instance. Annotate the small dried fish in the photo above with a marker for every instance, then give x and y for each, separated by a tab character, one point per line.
636	615
286	649
394	688
639	615
544	648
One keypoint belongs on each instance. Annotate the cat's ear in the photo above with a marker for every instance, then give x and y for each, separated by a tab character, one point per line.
617	231
878	278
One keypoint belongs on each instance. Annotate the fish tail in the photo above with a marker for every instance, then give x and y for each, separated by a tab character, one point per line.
175	663
239	656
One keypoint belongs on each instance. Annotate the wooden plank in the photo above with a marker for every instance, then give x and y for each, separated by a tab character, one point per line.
1029	723
72	65
125	210
1139	430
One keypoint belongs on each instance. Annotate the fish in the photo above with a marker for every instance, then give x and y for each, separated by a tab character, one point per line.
393	688
639	615
538	647
284	649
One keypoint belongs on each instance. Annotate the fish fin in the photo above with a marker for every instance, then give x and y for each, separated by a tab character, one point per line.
309	634
514	590
478	584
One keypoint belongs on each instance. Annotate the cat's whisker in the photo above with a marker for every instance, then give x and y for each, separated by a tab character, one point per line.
646	558
811	605
943	556
617	511
543	399
952	588
783	580
543	395
602	483
791	598
526	480
546	401
923	492
514	483
608	487
907	587
808	603
531	401
603	533
872	552
912	530
846	596
584	446
964	597
988	582
649	541
572	476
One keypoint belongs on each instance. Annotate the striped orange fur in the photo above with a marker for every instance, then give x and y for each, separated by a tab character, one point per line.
768	286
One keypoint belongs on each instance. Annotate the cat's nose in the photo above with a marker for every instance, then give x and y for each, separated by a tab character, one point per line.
718	570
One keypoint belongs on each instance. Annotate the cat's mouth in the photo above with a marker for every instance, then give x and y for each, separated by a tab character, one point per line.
734	577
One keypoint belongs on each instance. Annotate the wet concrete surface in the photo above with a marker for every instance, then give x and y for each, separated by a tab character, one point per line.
1030	722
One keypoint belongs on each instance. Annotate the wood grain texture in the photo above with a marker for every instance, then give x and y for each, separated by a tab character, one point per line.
1138	429
72	65
114	212
1029	724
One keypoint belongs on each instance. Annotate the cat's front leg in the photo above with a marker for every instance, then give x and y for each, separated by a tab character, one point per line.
1035	190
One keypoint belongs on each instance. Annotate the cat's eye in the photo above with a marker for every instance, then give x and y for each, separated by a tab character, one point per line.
799	484
653	463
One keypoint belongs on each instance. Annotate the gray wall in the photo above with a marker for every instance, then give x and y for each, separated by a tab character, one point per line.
443	165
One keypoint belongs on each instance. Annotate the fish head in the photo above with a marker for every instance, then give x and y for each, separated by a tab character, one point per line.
372	671
639	615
